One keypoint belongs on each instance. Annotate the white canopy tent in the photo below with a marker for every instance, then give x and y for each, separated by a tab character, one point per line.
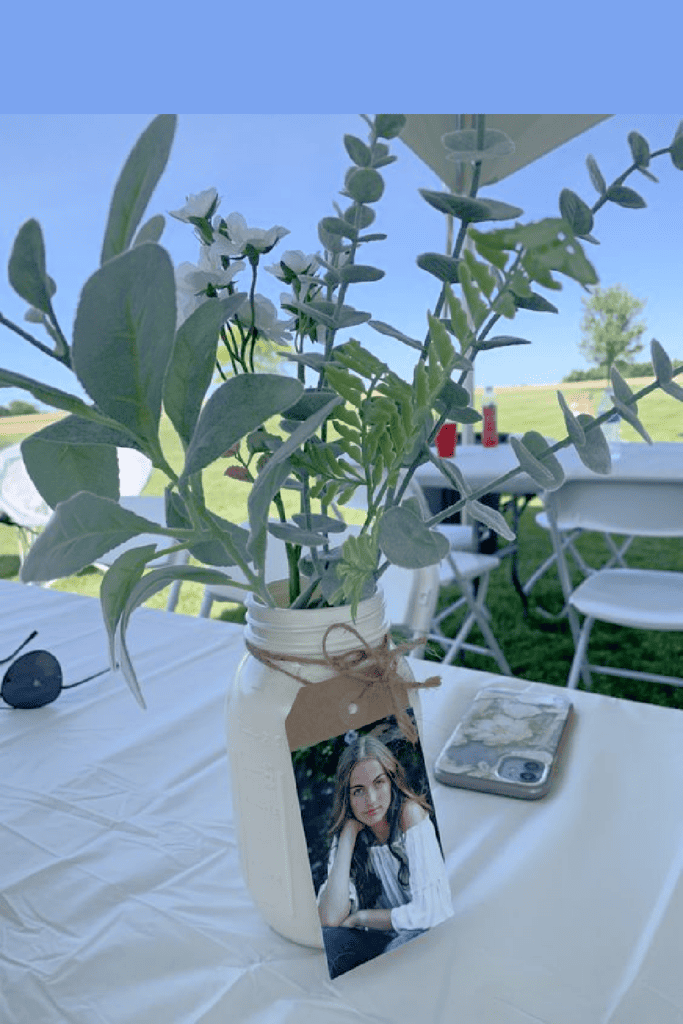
533	135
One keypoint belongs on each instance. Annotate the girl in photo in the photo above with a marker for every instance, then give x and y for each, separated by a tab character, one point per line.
386	880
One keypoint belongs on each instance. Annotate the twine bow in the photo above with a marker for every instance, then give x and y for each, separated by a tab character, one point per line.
368	666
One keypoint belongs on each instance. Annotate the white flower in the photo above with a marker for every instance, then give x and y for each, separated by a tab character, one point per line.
192	282
202	205
241	236
297	261
267	322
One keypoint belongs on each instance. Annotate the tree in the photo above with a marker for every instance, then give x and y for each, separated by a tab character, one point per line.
610	331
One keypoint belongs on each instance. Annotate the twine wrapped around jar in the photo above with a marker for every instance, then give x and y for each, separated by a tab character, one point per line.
366	666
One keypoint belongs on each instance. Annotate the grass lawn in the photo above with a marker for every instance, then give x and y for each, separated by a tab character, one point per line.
536	648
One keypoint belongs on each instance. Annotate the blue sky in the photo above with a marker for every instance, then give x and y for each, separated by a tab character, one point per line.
287	169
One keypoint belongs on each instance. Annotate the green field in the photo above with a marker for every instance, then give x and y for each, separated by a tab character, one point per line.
536	648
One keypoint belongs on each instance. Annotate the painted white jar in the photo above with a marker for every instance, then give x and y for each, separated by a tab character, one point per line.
270	833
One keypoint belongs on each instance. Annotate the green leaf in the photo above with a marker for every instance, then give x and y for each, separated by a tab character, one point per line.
337	226
621	389
388	126
468	209
310	401
476	308
597	180
61	470
81	529
355	272
676	152
500	341
274	473
660	363
357	150
595	452
536	302
459	321
297	535
359	216
50	396
123	337
464	144
538	472
623	196
537	445
151	230
382	328
234	410
673	389
451	472
441	342
406	541
465	415
445	268
627	412
150	584
489	517
115	589
364	185
453	397
640	149
577	213
574	428
480	273
193	357
321	523
136	183
26	269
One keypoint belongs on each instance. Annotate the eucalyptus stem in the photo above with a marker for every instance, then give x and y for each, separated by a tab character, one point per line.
64	359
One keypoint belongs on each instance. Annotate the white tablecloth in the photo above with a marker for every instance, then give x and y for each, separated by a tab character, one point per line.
122	900
630	460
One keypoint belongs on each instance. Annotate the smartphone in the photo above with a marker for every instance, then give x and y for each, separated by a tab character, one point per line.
508	742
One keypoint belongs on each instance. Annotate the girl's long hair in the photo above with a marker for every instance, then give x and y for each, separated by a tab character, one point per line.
365	748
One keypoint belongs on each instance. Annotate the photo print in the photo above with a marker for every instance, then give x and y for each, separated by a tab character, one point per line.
373	842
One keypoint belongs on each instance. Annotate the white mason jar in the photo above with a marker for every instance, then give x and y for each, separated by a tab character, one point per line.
270	833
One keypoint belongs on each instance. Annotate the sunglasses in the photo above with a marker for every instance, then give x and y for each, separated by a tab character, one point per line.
35	679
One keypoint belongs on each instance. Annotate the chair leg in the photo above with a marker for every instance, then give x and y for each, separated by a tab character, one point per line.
207	602
580	664
478	613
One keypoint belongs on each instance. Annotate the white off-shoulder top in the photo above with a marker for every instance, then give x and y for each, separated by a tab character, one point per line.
427	900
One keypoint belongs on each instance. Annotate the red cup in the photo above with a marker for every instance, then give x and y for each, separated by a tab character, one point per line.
445	440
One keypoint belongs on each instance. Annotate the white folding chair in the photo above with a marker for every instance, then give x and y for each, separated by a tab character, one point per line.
569	535
470	572
638	598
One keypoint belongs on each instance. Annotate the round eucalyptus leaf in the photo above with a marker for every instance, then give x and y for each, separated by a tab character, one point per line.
364	185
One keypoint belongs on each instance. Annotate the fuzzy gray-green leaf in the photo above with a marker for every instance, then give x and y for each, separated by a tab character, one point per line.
574	428
81	530
191	366
406	541
531	465
661	363
136	183
123	337
489	517
61	470
595	452
234	410
26	269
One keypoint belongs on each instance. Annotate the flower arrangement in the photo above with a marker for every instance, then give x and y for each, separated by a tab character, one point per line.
148	337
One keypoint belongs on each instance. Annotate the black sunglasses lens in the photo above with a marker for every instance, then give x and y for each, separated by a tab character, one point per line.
33	680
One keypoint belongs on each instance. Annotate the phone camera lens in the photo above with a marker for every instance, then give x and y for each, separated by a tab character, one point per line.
528	776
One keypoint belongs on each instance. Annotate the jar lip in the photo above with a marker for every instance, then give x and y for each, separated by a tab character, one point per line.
256	607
